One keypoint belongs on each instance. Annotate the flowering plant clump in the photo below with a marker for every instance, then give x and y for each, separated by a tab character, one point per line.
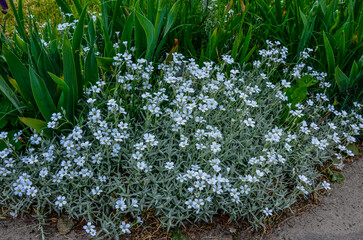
188	143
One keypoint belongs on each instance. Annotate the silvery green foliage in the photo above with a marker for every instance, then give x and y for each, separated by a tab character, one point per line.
194	142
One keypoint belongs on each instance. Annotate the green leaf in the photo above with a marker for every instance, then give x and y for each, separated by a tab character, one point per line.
78	32
33	123
249	54
90	68
246	43
306	34
41	95
19	18
341	79
117	12
20	74
8	92
237	43
303	18
128	29
70	77
78	6
353	147
91	32
104	62
297	93
35	50
20	43
149	32
76	44
171	18
159	19
329	54
60	82
64	6
340	178
353	74
307	81
109	49
278	11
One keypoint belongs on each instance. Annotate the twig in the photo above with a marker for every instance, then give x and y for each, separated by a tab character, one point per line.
324	118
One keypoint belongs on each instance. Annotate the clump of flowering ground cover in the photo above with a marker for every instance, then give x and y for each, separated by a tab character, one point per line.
188	143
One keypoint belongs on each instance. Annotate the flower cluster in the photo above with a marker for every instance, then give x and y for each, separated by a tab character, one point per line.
192	142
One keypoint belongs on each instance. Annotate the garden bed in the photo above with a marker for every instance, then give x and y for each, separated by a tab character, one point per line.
335	214
128	117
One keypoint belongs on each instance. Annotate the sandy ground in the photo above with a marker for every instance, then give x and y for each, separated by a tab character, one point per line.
338	216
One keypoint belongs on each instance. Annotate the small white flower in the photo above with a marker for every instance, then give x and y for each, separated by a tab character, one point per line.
141	165
169	165
96	191
215	147
61	201
89	228
326	185
125	227
249	122
267	212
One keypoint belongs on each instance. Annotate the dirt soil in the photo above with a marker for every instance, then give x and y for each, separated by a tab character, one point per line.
338	214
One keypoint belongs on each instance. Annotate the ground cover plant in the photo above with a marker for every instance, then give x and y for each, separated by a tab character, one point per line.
121	124
194	142
202	29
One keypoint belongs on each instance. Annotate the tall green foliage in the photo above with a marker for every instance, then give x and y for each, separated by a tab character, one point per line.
46	71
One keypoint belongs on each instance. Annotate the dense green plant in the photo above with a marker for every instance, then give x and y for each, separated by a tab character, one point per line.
332	28
45	69
196	28
37	59
205	140
205	30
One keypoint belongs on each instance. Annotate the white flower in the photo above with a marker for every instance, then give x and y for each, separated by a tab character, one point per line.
215	147
125	227
259	173
137	155
139	219
249	122
51	124
228	59
89	228
304	179
169	165
96	191
3	135
149	138
267	212
120	204
326	185
272	137
245	189
302	189
134	202
61	201
141	165
285	83
198	203
32	191
148	168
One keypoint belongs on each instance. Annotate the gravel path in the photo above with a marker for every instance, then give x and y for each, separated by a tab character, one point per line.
338	216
